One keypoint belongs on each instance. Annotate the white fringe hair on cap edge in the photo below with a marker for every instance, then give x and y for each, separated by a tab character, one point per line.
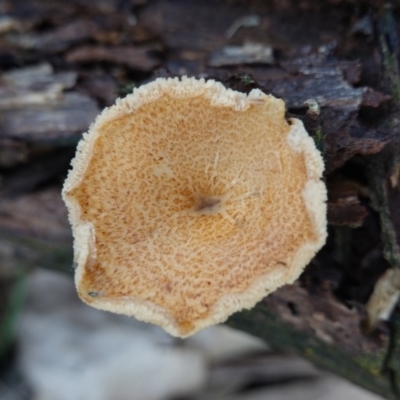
189	201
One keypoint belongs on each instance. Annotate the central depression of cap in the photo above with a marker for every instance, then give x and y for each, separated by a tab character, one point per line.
190	204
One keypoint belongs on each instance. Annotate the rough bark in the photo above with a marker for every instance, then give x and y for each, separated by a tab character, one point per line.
335	64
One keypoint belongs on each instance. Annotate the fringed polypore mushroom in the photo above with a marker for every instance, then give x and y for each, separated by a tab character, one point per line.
189	201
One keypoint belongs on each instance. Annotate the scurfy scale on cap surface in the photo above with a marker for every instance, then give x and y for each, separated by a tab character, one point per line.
189	201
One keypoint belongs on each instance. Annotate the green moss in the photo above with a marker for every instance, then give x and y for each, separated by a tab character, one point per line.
247	79
8	322
319	139
124	90
363	370
372	362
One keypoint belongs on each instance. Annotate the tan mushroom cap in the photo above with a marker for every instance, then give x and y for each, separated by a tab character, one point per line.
189	201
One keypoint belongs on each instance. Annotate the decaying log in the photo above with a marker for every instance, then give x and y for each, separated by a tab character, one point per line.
336	66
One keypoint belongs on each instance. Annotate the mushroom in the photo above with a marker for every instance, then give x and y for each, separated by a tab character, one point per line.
189	201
